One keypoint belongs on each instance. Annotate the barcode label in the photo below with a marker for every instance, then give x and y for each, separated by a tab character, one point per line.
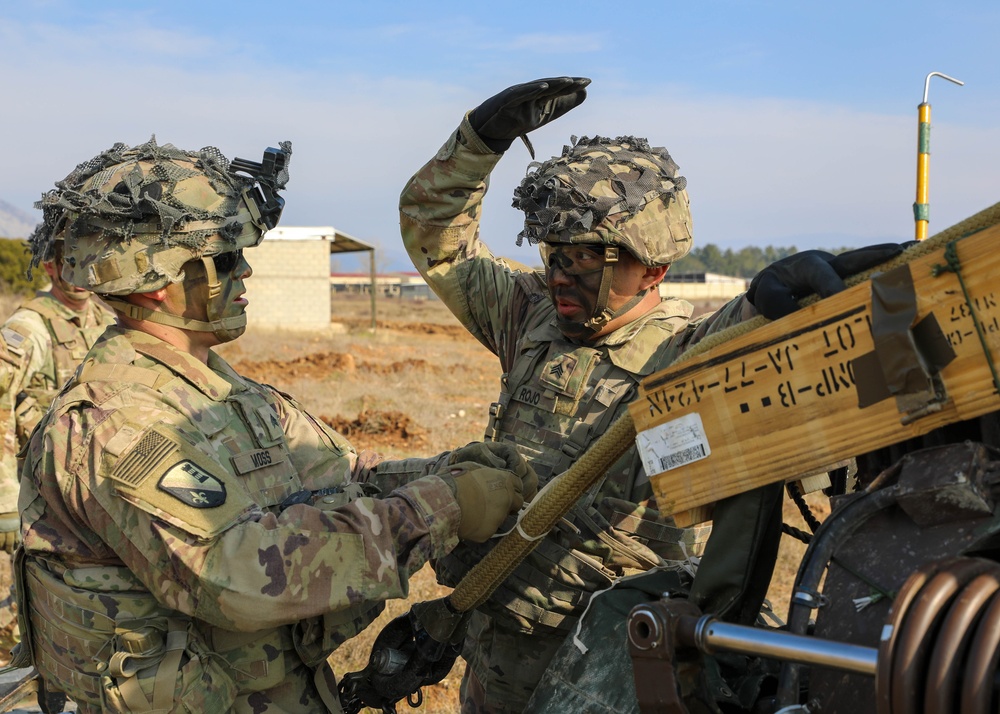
673	444
684	456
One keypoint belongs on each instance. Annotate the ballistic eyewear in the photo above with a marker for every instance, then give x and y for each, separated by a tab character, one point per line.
574	258
225	263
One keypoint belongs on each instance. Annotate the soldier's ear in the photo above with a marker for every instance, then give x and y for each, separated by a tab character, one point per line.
51	269
654	275
158	295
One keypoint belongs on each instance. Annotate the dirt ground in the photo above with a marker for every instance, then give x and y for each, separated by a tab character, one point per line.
416	386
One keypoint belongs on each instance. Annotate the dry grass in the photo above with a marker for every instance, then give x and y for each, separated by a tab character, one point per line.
428	385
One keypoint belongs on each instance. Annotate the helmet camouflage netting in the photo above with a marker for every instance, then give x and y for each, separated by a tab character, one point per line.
132	216
614	191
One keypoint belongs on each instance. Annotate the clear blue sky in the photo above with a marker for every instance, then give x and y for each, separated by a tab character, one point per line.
794	122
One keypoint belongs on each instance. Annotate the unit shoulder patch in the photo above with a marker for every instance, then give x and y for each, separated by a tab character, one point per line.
164	473
193	485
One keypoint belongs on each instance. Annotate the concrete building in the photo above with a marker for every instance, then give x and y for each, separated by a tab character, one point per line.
403	284
702	286
290	288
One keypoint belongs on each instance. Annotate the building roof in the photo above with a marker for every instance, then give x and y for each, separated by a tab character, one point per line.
339	241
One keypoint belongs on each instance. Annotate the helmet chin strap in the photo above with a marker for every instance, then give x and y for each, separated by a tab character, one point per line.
226	329
602	314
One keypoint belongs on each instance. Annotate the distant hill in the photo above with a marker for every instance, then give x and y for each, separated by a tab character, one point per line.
15	223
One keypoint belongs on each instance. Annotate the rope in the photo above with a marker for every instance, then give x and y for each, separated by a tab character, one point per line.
796	533
795	491
559	496
542	515
954	265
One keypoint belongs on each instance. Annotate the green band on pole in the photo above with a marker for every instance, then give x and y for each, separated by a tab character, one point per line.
924	137
921	211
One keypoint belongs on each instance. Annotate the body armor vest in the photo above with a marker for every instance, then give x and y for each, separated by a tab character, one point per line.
70	345
557	398
67	618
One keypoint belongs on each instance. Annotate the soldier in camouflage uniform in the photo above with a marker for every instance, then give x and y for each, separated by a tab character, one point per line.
194	541
574	341
11	375
46	338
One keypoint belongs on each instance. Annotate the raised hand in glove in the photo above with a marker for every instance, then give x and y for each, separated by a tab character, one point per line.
501	456
485	495
524	107
776	290
10	531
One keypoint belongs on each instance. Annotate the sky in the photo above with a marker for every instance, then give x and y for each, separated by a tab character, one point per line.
794	122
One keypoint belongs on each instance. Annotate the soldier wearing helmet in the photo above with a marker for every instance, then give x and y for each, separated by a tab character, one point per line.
603	204
574	340
193	540
45	338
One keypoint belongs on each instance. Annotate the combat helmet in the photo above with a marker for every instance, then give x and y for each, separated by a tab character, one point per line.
131	217
619	193
52	255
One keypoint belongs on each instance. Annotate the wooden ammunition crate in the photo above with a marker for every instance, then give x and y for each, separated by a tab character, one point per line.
833	380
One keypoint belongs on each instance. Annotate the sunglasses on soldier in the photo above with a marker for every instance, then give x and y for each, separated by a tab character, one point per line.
225	263
573	258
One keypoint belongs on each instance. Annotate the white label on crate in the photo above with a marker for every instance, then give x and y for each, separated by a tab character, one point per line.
674	443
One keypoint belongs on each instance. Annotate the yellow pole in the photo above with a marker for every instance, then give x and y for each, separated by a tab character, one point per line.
921	207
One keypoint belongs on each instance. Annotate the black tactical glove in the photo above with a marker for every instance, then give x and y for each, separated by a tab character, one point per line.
524	107
776	290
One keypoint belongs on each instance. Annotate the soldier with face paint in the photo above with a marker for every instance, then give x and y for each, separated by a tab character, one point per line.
574	341
194	541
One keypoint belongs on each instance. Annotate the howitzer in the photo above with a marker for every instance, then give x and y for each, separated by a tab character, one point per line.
907	349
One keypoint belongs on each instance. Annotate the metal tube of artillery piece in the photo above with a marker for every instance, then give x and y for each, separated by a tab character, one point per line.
711	635
921	207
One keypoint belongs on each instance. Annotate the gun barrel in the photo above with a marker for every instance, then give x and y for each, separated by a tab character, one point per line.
712	635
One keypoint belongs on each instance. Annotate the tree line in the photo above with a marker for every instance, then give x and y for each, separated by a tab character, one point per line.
14	261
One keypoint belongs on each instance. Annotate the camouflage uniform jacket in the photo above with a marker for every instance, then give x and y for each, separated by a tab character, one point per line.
48	340
159	480
557	397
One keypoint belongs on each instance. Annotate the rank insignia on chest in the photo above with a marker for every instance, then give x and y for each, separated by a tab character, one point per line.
566	373
191	484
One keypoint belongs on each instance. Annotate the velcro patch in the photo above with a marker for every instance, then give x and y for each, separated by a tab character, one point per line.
14	340
257	459
143	459
163	472
193	485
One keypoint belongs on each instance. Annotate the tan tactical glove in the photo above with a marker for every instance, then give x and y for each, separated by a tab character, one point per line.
485	495
10	531
501	456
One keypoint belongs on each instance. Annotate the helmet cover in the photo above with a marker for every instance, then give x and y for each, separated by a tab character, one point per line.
131	217
612	191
